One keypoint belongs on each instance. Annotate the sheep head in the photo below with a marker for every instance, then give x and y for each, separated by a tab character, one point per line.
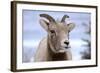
58	32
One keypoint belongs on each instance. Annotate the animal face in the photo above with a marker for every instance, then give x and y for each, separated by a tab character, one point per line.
58	32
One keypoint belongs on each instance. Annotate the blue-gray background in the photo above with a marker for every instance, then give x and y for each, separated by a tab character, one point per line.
33	32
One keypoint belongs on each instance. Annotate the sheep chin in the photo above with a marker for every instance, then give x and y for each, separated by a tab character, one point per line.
61	51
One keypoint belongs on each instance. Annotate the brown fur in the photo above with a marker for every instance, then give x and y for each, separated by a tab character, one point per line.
54	47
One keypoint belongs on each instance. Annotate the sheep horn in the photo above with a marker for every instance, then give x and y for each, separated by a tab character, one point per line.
48	17
64	17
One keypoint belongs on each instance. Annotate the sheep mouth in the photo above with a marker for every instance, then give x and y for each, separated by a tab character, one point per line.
67	47
63	49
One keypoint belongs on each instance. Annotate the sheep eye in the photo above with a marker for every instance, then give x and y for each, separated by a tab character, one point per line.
52	31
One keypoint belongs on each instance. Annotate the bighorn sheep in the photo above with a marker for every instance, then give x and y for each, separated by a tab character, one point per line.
54	47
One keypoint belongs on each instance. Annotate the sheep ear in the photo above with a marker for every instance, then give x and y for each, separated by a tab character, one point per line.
44	24
70	26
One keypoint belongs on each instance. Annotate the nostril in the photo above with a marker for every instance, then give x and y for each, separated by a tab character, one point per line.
67	43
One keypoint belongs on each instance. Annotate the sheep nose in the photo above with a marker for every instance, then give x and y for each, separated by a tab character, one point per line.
66	42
